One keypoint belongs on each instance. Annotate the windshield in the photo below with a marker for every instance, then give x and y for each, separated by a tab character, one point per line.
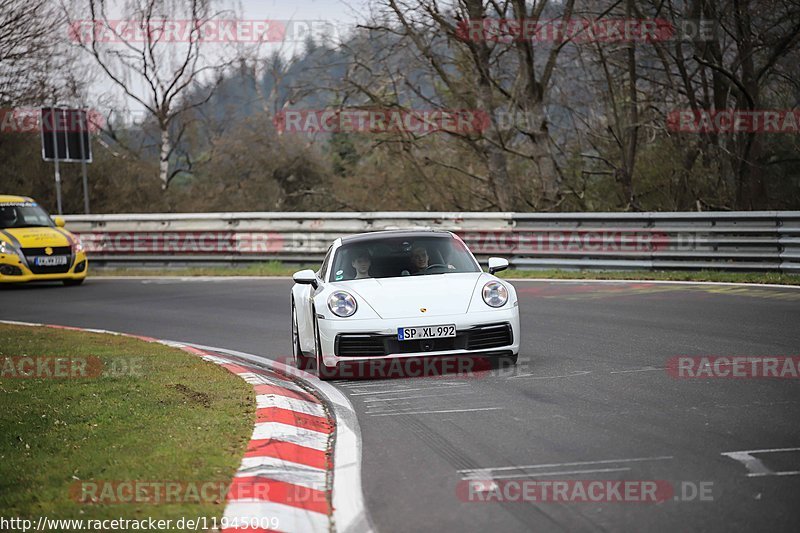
23	215
391	257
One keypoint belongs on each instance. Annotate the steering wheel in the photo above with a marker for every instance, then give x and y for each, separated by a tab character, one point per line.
442	265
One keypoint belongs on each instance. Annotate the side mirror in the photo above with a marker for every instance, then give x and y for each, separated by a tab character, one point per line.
306	277
496	264
59	221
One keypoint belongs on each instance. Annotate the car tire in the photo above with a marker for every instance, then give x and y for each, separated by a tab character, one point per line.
73	282
324	372
300	361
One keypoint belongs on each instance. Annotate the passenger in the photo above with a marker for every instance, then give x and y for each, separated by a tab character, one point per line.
362	261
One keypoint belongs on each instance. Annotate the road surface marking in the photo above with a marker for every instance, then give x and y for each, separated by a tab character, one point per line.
645	369
534	376
409	390
781	473
367	400
434	412
574	463
754	465
561	473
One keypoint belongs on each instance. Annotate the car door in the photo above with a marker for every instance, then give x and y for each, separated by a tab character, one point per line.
303	295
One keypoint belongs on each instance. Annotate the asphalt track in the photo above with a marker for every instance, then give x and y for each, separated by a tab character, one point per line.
589	400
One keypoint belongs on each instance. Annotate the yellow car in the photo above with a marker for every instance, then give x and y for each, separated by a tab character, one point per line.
34	247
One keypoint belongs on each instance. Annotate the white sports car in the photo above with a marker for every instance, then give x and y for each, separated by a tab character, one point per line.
399	294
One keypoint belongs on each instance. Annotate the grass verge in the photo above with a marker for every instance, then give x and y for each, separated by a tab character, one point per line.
269	268
276	268
153	414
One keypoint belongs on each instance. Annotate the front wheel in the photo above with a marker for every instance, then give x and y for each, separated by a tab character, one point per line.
300	361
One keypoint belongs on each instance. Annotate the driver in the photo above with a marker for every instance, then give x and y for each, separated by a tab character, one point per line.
419	259
8	217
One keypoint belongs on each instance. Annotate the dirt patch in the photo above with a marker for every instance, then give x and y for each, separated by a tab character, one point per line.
192	395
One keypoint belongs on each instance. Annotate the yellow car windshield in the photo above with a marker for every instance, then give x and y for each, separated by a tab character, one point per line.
23	215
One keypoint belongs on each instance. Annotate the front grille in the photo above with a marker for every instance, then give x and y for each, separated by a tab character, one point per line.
30	253
359	345
486	337
57	250
370	344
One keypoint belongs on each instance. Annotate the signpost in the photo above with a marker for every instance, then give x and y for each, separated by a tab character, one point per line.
65	138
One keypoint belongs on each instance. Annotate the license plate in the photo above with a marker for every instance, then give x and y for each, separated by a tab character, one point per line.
50	261
426	332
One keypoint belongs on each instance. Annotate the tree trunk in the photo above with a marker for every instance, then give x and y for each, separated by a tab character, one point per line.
497	163
548	184
163	167
630	130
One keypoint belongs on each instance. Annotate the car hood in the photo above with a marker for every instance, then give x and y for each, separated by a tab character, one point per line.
438	294
37	237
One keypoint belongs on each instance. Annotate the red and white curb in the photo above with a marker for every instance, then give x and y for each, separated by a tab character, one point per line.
302	467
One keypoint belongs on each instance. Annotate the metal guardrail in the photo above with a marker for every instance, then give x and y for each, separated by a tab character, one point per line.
744	241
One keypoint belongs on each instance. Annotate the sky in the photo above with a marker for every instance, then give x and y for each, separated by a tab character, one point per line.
298	15
344	10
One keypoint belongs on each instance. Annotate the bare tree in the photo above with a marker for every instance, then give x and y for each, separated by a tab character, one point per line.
508	81
738	67
609	113
28	51
167	78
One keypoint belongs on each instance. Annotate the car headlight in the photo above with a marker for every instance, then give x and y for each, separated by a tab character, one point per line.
7	248
342	304
495	294
77	245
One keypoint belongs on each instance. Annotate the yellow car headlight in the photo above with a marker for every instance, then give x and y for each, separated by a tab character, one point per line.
7	249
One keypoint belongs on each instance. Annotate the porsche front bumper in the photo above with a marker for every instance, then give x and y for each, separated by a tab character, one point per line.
383	332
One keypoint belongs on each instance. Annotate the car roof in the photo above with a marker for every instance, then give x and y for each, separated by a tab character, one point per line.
8	198
395	233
